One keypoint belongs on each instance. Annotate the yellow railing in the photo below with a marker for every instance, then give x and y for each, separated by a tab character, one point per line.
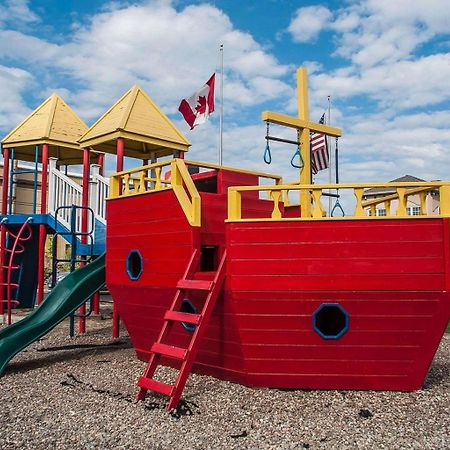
386	200
153	178
280	193
137	181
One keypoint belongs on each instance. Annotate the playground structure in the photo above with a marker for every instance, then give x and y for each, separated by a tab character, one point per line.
215	270
47	139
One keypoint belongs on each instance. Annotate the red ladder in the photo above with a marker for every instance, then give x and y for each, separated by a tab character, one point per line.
7	263
174	315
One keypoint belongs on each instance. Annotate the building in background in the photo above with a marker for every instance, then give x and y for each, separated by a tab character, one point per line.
413	207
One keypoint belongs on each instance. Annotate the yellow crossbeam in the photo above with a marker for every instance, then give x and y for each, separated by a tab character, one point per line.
293	122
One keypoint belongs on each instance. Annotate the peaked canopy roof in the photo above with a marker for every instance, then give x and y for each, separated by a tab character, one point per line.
146	129
53	123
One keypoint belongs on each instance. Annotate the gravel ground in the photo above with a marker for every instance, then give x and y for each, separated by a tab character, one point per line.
78	393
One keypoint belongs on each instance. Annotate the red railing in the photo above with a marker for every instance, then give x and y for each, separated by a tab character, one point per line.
8	254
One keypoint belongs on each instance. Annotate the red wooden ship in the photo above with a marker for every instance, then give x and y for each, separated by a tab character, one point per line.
213	268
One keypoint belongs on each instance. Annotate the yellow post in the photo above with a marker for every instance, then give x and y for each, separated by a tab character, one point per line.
305	148
444	195
234	204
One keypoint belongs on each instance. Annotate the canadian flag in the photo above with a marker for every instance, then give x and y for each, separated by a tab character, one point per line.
197	108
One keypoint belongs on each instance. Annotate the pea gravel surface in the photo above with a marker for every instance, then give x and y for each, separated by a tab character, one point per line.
78	393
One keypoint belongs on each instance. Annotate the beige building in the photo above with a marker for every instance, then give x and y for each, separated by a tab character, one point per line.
413	207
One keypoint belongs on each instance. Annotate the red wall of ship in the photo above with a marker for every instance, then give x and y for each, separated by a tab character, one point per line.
389	275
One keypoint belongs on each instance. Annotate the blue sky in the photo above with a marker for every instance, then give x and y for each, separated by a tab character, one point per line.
385	64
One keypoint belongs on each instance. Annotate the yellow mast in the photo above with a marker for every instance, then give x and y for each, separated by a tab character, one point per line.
305	127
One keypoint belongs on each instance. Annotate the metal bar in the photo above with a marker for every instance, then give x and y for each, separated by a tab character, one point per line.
329	194
286	141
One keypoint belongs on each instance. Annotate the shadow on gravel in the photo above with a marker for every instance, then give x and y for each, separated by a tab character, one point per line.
437	375
65	353
184	407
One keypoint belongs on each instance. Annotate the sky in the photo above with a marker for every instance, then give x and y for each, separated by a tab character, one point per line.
384	64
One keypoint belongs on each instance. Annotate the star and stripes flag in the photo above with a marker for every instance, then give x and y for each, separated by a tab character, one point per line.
320	158
197	108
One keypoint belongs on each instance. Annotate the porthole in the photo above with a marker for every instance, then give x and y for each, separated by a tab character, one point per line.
134	265
188	307
330	321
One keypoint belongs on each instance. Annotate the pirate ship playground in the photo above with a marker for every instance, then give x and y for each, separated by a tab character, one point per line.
219	271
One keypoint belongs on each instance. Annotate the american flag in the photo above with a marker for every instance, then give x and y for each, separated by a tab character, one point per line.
320	158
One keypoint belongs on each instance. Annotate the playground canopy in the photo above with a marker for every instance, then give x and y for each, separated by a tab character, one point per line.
147	131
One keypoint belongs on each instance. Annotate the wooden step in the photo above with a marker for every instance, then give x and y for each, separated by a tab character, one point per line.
177	316
169	350
155	386
198	285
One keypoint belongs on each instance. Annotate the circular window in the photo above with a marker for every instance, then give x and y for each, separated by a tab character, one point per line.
188	307
330	321
134	264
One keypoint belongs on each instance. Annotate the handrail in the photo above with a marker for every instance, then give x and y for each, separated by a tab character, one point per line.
378	200
63	191
98	194
186	192
136	181
278	192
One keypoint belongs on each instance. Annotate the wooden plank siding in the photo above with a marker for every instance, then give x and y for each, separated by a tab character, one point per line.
156	226
389	276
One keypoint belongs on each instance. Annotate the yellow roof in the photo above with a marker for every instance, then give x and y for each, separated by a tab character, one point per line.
53	123
144	126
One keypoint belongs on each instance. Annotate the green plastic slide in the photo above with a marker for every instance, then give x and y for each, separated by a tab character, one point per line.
68	295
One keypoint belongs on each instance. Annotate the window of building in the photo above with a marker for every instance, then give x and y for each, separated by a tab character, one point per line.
381	212
413	210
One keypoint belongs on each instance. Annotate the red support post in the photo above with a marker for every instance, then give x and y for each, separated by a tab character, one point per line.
96	299
120	154
84	225
5	186
42	229
119	167
96	303
101	163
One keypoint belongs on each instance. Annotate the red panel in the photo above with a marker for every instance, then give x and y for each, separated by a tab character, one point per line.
390	276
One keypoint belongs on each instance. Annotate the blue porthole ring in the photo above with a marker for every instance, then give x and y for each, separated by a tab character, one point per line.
188	307
135	265
330	321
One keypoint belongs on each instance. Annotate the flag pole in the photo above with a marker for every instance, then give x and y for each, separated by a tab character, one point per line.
221	106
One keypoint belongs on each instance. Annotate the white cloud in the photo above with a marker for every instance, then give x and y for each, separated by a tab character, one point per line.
13	82
399	85
169	52
17	11
383	31
308	22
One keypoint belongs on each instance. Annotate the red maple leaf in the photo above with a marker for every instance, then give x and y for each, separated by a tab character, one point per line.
201	105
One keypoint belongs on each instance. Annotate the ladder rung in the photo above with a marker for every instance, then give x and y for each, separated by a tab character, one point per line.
169	350
177	316
199	285
155	386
